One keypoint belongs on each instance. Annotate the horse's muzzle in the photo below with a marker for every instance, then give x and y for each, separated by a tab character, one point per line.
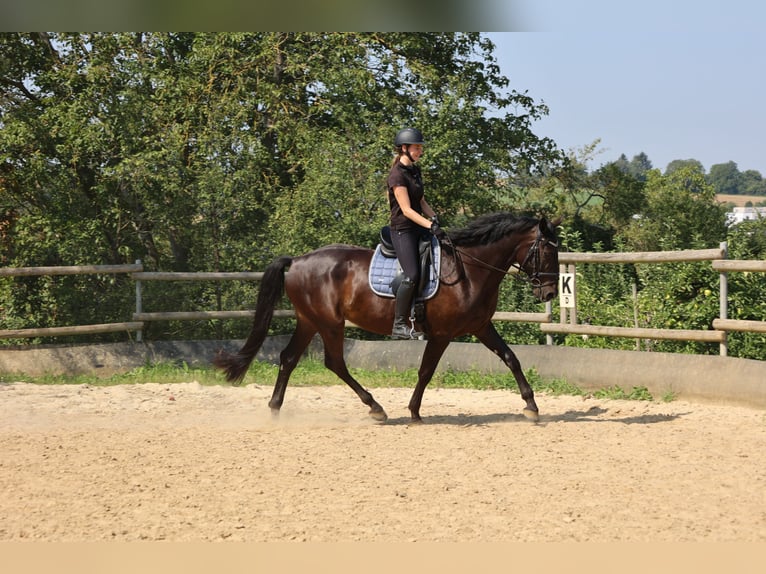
545	293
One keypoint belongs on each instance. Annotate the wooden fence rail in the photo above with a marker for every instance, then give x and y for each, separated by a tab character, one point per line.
70	270
636	333
74	330
644	256
566	325
201	276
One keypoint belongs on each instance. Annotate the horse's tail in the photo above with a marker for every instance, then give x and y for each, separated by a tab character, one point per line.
235	365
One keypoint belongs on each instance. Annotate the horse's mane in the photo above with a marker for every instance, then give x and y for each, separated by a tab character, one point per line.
490	227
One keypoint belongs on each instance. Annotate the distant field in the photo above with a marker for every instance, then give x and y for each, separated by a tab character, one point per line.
740	200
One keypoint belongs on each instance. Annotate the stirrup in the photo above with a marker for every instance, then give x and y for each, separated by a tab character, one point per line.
417	335
402	331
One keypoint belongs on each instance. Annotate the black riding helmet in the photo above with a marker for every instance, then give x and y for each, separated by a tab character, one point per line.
408	136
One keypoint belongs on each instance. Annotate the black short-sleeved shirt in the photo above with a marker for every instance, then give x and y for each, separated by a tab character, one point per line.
407	176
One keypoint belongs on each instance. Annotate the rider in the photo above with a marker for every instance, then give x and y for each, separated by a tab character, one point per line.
410	215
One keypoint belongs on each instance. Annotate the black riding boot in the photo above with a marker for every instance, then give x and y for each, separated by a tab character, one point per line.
402	328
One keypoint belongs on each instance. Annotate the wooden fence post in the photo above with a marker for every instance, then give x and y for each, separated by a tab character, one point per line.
724	298
139	303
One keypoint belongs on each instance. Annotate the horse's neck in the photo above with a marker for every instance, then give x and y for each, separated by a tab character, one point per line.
501	254
488	264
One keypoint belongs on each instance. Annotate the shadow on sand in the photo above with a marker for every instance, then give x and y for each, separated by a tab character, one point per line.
593	414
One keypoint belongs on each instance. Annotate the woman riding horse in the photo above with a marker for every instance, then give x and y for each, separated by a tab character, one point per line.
410	216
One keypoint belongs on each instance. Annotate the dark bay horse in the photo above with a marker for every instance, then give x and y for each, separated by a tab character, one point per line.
330	286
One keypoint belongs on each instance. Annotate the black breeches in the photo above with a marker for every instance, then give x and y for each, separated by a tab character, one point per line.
406	246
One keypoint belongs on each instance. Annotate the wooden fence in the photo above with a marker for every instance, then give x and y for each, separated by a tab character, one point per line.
78	329
569	261
567	323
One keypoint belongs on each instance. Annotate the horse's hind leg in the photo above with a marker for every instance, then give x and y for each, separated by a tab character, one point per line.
333	360
288	359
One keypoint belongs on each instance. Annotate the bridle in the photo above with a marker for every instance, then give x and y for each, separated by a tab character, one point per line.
534	278
534	253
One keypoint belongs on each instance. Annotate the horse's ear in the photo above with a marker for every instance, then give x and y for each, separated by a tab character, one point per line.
544	222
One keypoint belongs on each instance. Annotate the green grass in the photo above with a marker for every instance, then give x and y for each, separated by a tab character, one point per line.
615	392
312	372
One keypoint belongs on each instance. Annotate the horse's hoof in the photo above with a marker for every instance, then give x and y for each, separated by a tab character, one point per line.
274	414
379	416
531	415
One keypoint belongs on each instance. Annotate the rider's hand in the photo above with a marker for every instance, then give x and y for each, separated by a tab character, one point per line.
437	231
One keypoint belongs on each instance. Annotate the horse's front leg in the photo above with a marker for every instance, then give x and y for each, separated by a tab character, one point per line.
494	342
433	352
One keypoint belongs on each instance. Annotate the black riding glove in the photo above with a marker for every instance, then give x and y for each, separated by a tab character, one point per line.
437	231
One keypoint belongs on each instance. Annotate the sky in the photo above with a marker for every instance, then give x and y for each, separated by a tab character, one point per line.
674	79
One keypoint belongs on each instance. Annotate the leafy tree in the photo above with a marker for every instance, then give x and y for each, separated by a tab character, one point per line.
622	194
678	164
596	205
752	183
681	212
725	178
637	167
195	151
640	166
622	163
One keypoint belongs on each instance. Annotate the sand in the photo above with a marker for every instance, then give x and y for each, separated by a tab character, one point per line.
186	462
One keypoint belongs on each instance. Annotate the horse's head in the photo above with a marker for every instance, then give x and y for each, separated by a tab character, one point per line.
541	261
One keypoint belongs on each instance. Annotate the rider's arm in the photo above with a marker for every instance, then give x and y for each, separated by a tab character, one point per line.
400	192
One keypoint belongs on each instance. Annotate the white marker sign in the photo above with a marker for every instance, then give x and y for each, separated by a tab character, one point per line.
567	290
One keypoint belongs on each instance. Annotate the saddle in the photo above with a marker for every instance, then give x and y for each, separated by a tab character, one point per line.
386	273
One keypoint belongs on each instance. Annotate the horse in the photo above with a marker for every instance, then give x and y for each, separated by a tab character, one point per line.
329	286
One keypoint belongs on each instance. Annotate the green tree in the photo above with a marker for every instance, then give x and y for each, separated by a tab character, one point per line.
752	183
677	164
173	145
594	204
725	178
681	212
622	163
195	151
639	166
622	194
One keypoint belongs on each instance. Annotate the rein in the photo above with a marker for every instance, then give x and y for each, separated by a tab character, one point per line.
533	252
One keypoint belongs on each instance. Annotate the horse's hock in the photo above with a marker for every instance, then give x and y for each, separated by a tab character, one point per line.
703	378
